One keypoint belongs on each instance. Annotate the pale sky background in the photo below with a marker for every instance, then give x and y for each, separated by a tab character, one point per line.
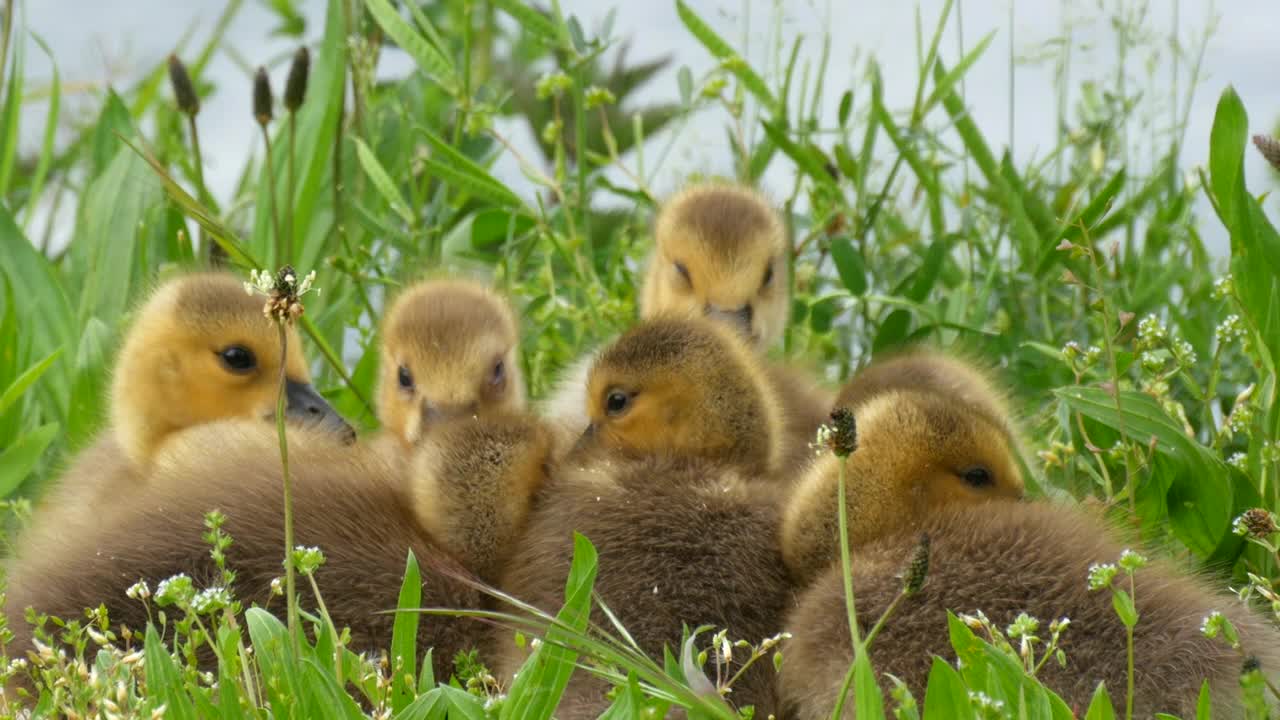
96	43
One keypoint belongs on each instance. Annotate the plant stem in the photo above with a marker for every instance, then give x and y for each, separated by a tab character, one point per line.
328	621
883	617
271	198
290	581
1128	702
216	255
288	218
845	561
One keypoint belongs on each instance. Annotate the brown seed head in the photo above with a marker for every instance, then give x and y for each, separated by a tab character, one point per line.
183	90
844	432
295	88
918	568
1259	523
1270	149
262	99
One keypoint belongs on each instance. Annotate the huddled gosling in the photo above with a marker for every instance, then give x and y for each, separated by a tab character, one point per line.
199	350
463	503
682	423
449	349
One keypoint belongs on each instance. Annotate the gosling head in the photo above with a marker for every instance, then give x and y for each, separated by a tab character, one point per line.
687	387
917	453
720	252
200	350
448	350
927	370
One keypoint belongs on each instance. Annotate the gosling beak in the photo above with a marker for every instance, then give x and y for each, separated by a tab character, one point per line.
739	319
308	408
585	441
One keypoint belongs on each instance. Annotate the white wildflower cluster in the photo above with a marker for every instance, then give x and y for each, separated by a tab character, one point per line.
1270	452
1223	287
1216	624
1241	418
307	559
138	591
1101	575
211	600
822	440
1131	561
261	282
1239	461
1230	330
552	85
1151	332
1024	625
1152	362
985	704
177	590
1184	353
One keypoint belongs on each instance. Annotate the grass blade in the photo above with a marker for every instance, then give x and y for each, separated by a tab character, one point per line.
404	636
726	54
430	60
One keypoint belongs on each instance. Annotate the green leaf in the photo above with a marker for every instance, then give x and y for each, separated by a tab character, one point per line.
806	157
380	179
434	63
944	83
846	107
1204	705
25	380
1123	603
892	331
19	459
849	265
457	169
723	52
542	679
47	149
866	692
945	692
404	635
164	681
1100	707
1226	155
531	20
12	112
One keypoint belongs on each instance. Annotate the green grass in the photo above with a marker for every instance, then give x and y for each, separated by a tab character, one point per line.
1145	368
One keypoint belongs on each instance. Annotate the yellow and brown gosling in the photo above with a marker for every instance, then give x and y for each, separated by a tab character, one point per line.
1009	558
449	349
199	350
464	502
664	484
917	452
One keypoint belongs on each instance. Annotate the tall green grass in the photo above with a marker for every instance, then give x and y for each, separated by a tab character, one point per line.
1144	366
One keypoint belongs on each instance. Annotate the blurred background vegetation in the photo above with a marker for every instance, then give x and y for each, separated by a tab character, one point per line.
1142	363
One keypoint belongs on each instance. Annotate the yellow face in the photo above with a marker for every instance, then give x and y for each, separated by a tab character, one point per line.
719	252
923	453
449	350
674	386
201	350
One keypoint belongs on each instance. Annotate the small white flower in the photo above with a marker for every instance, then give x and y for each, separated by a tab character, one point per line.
138	591
1223	286
1239	461
1230	330
1101	575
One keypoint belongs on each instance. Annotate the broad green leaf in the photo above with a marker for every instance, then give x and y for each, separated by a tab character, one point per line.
1100	707
542	679
404	635
1226	155
380	179
1204	704
459	170
429	58
20	458
1123	603
945	692
892	331
723	52
164	681
25	380
849	265
531	20
866	692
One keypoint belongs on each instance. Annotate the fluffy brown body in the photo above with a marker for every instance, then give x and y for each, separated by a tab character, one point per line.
667	489
171	375
1006	558
349	501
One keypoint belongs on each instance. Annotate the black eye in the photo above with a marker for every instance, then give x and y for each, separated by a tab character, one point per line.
768	276
617	402
684	272
406	378
978	477
238	359
499	372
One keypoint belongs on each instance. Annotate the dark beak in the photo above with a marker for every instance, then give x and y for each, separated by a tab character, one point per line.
585	441
305	406
739	318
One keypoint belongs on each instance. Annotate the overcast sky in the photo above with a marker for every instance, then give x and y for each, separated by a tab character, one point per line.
96	43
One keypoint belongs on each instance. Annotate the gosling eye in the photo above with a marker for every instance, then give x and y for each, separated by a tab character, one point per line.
617	403
238	359
499	373
684	272
768	277
406	378
978	477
